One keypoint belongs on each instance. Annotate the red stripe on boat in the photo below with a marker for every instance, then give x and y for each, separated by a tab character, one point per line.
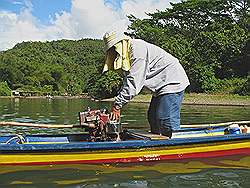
147	158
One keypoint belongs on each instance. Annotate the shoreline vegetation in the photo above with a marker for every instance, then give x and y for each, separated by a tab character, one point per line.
202	99
206	99
189	99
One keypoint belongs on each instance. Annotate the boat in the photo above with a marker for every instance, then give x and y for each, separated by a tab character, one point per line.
124	146
139	147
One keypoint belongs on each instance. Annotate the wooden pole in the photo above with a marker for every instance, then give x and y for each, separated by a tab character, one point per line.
216	124
6	123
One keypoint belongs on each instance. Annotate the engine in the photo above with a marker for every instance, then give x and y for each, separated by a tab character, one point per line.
99	126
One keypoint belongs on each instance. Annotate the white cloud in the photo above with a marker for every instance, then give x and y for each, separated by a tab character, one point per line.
24	27
85	20
17	3
17	28
92	18
139	8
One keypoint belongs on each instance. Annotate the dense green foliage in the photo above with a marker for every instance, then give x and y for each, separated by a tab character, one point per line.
105	85
57	67
4	89
210	37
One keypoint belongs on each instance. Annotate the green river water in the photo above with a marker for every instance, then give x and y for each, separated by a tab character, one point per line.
65	111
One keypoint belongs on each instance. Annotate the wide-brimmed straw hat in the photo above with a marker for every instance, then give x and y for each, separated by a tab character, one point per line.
110	38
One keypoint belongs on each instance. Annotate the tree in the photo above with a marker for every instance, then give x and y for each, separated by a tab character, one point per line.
209	37
105	85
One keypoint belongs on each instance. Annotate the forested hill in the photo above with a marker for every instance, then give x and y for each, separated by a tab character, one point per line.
57	67
210	38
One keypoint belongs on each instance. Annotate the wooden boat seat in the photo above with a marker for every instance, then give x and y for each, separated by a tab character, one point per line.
154	136
148	135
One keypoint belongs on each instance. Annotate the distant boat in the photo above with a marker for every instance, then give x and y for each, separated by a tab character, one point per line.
49	97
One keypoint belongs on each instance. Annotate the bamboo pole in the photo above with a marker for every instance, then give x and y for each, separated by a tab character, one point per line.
8	123
216	124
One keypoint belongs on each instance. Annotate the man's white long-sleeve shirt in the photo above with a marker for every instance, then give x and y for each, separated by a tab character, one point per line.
153	68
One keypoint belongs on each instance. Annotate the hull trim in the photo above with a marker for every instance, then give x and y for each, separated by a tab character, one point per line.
145	158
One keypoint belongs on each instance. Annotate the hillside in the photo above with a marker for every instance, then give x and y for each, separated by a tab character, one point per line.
57	67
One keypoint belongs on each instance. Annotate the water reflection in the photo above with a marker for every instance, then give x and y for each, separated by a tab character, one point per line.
214	173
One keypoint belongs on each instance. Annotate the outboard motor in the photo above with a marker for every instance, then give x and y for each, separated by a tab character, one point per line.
99	126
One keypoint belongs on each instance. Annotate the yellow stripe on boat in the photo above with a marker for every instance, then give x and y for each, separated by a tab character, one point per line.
111	154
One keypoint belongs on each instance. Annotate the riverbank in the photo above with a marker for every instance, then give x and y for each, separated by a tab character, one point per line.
203	99
221	100
189	99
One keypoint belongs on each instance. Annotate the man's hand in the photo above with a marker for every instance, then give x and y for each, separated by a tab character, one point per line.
115	114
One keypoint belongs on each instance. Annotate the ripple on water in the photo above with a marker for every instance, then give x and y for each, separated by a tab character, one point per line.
24	119
226	174
229	184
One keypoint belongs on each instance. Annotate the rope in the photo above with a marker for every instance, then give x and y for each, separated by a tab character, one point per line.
18	136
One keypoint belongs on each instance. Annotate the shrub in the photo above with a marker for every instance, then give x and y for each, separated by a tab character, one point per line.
233	86
244	88
4	89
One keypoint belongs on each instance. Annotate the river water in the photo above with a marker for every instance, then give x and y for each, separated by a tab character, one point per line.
225	173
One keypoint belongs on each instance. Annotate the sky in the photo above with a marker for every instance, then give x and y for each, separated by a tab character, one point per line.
46	20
